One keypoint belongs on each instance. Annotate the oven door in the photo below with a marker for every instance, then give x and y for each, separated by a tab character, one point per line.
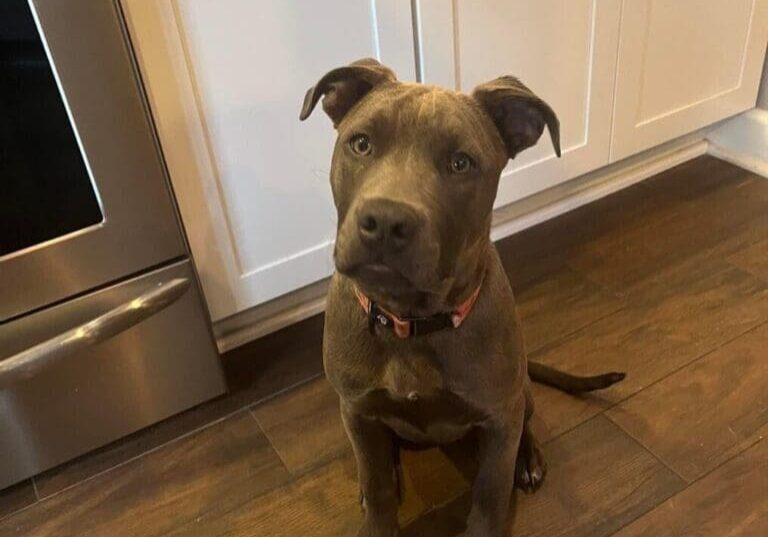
83	196
80	374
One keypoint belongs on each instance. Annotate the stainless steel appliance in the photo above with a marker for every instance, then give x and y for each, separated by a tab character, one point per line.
102	327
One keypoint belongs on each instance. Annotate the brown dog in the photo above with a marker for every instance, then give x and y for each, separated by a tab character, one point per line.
422	338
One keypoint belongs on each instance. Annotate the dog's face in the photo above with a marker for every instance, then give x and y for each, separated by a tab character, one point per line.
415	171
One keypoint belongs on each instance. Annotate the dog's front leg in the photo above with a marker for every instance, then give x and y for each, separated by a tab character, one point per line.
373	445
492	490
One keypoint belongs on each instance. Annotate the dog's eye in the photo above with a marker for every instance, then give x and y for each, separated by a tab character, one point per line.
360	144
461	163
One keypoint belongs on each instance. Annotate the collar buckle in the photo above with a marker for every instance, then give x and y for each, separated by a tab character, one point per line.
414	326
376	316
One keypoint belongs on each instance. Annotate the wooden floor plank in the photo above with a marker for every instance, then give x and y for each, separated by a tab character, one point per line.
16	497
208	472
706	413
731	501
697	178
715	223
599	480
679	316
548	247
127	448
560	303
434	477
576	501
706	302
753	258
627	341
324	503
254	372
557	412
275	362
304	425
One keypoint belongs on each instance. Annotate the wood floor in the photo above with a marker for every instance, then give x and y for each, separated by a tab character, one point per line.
667	280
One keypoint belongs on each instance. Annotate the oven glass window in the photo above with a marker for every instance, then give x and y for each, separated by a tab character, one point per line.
45	189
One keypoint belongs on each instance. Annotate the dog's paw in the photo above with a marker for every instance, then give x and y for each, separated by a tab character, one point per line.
530	469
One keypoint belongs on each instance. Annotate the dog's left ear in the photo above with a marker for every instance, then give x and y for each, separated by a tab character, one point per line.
518	114
344	87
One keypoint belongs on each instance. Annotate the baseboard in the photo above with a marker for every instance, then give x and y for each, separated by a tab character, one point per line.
593	186
256	322
743	140
308	301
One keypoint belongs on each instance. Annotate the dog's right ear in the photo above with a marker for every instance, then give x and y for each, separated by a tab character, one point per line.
342	88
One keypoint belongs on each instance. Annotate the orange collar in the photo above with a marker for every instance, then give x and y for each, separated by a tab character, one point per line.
404	327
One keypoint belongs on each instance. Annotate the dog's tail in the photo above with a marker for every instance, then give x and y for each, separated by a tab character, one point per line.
543	374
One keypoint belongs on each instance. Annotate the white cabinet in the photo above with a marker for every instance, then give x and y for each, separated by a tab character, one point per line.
565	51
684	64
226	79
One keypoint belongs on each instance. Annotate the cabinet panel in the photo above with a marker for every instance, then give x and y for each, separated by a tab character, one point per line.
226	79
684	64
564	51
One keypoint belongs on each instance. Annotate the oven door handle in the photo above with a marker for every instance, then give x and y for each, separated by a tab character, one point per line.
30	362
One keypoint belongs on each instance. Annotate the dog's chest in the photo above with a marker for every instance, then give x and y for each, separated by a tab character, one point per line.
410	377
412	397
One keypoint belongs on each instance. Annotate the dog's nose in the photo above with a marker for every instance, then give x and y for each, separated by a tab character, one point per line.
387	224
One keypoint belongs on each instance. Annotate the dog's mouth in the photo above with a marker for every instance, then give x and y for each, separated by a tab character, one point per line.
378	275
394	275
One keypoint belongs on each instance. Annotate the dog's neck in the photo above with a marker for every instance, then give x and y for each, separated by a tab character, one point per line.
421	303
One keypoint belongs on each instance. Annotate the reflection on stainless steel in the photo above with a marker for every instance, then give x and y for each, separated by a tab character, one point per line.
27	363
102	326
162	365
102	92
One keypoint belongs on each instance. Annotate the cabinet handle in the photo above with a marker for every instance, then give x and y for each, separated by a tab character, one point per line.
31	361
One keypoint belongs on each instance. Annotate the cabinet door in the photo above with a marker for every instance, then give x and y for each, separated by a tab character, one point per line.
684	64
564	51
226	79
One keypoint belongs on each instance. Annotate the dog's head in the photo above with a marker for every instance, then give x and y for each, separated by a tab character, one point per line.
415	172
